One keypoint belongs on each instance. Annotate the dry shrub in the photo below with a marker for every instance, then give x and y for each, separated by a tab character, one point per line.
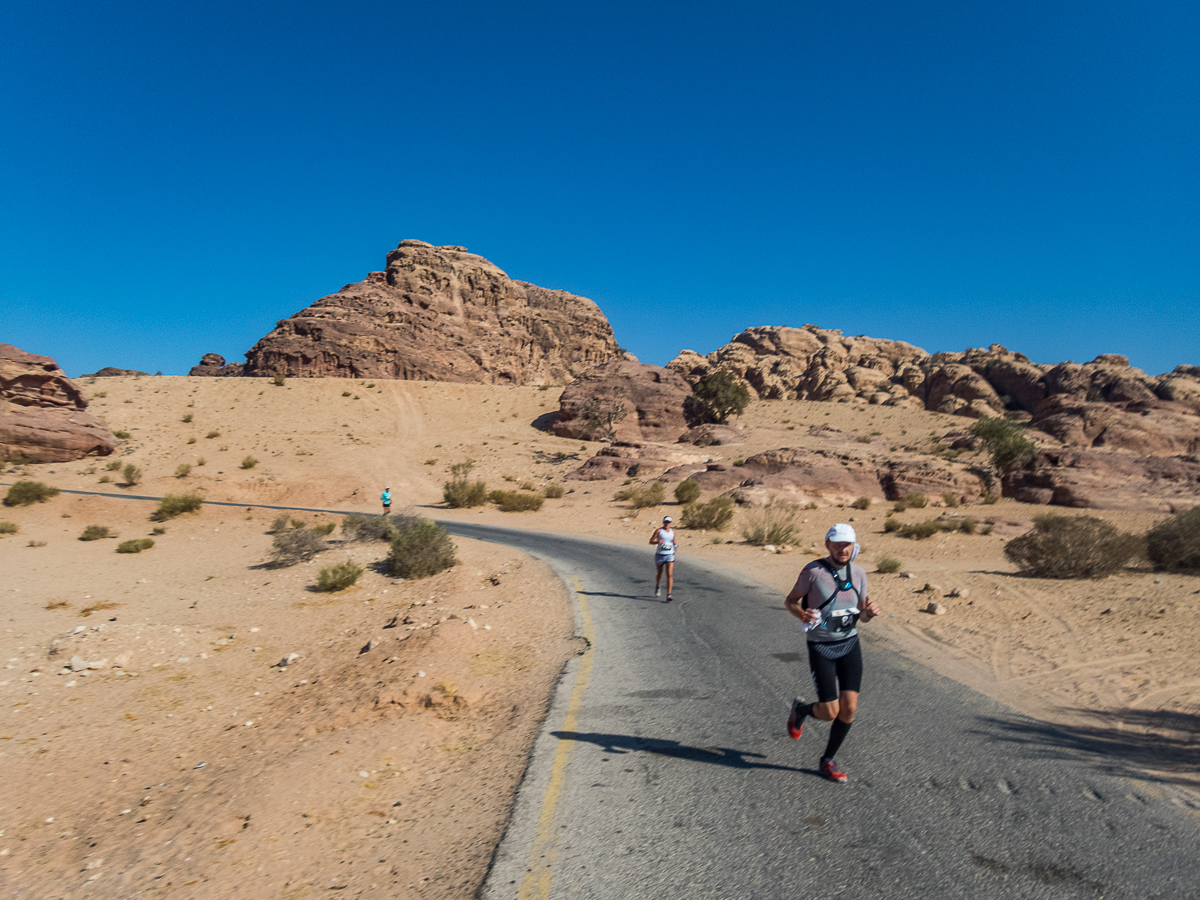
249	462
340	576
95	533
9	528
131	475
950	498
1175	543
294	546
324	529
280	524
1072	547
687	492
420	550
714	515
861	503
774	524
888	565
553	491
516	501
183	470
173	505
919	531
463	494
27	493
643	496
137	545
362	528
891	524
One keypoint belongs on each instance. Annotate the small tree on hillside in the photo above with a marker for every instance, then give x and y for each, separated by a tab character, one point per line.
717	396
601	413
1006	441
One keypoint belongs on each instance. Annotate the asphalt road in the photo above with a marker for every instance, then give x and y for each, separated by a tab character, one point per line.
664	771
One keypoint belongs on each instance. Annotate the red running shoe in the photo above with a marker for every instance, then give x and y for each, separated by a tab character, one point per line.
795	723
831	771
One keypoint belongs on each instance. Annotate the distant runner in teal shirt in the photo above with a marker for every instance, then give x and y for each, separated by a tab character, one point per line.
386	497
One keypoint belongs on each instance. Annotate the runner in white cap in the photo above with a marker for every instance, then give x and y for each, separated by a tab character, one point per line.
830	598
664	556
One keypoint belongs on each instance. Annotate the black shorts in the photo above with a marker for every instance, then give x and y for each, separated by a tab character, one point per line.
831	676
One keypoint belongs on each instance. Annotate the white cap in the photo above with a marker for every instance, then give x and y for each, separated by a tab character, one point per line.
667	518
841	533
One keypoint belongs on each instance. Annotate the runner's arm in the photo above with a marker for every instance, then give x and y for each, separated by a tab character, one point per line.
796	600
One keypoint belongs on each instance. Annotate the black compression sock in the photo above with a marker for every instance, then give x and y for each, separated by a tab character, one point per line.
837	734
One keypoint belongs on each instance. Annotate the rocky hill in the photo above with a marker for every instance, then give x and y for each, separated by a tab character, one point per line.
43	415
439	314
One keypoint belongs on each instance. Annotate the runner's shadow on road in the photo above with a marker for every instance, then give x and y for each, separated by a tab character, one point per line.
1163	741
642	597
720	756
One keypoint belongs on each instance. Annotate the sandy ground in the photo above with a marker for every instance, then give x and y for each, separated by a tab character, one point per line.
383	759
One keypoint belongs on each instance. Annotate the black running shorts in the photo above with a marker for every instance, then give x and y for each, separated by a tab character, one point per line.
831	676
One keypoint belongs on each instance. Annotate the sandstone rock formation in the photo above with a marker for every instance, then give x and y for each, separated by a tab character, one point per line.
651	398
111	372
213	364
1093	479
648	457
42	413
440	314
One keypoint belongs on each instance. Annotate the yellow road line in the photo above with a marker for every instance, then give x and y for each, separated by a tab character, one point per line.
536	885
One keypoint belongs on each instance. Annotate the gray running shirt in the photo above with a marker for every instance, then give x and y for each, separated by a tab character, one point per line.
817	586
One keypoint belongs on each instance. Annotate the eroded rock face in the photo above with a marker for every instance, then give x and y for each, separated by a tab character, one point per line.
1091	479
43	414
440	314
652	396
113	372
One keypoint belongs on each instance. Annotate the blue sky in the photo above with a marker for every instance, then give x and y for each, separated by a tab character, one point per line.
176	177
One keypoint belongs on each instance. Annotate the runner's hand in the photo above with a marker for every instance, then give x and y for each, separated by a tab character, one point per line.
869	609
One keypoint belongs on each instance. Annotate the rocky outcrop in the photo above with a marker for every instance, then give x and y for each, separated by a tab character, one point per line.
440	314
643	402
213	364
1091	479
43	414
1102	403
111	372
643	458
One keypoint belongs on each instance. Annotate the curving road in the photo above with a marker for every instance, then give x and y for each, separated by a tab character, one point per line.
663	769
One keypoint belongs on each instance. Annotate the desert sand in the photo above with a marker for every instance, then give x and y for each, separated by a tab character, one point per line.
382	760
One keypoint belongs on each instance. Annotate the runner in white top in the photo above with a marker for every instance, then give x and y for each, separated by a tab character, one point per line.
664	557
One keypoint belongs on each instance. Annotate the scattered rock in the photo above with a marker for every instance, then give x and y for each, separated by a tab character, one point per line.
77	664
958	592
213	364
935	608
931	589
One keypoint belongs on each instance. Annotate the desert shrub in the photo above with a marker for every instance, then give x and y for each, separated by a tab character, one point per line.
363	528
9	528
36	544
158	529
919	531
950	499
891	524
137	545
989	498
643	496
915	501
249	462
420	550
27	493
888	565
187	417
183	470
345	393
297	523
1175	543
192	439
861	503
967	525
200	461
716	397
773	524
131	474
213	434
339	577
279	379
324	529
295	545
600	414
173	505
714	515
113	465
1005	441
516	501
279	524
104	479
462	494
95	533
687	492
527	486
1072	547
553	491
122	435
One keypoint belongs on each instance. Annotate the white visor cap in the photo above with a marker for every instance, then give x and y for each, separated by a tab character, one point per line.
841	533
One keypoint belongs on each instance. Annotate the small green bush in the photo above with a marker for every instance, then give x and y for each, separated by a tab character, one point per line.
716	397
294	546
715	515
279	524
687	492
919	531
362	528
463	494
279	379
516	501
122	435
104	479
131	475
158	529
187	418
9	528
113	465
339	577
1005	441
420	550
95	533
915	501
27	493
888	565
774	524
1072	547
861	503
213	434
324	529
1175	543
173	505
137	545
950	499
183	470
990	498
249	462
890	524
553	491
967	525
643	496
